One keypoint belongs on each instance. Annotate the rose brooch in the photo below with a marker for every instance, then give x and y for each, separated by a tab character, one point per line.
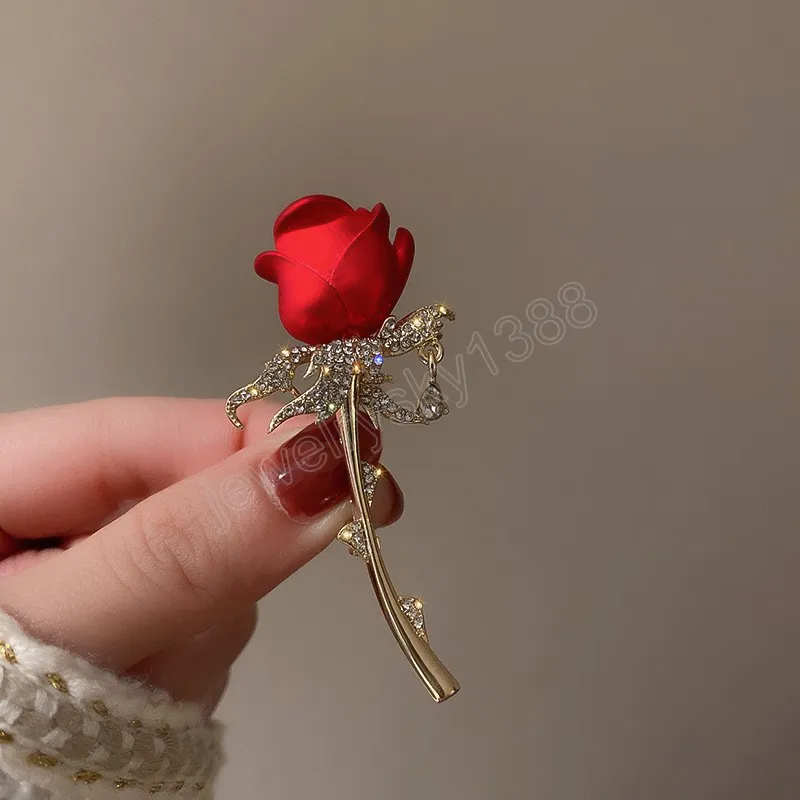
339	276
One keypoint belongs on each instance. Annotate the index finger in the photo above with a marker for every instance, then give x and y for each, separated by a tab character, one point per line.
70	469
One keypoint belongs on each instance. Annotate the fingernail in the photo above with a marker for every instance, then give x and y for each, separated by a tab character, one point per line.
308	473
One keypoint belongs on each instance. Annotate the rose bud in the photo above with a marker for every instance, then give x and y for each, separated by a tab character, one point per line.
338	273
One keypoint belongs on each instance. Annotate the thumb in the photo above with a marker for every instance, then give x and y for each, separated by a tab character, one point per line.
198	552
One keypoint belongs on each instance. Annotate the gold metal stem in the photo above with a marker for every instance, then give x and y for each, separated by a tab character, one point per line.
430	670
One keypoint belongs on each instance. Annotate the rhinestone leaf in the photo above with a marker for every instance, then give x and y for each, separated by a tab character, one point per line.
353	534
412	608
337	362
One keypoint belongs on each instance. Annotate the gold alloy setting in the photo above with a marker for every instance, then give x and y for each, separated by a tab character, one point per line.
349	380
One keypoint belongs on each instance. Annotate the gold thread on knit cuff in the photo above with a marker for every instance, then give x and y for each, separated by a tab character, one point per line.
39	759
100	707
7	652
57	682
86	776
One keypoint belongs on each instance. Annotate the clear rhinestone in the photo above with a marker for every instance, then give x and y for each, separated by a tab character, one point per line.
431	403
412	608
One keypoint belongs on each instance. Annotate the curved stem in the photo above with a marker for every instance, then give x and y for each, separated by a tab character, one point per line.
430	670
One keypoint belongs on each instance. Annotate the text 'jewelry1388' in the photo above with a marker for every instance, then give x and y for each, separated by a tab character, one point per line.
339	276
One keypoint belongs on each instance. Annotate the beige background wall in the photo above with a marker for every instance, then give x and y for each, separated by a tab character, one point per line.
606	533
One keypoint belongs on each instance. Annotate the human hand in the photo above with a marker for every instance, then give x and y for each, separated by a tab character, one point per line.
140	533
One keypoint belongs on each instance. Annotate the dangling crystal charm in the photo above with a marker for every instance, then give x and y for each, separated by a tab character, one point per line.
431	402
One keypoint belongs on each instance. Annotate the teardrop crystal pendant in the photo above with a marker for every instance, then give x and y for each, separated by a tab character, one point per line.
431	402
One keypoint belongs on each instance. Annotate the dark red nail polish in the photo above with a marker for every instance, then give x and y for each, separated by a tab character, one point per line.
308	473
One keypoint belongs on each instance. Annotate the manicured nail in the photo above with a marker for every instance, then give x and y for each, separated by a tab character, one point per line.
308	473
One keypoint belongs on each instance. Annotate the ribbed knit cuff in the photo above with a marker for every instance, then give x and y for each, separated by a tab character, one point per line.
71	731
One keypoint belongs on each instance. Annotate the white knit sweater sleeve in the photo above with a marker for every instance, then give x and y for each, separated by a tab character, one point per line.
69	731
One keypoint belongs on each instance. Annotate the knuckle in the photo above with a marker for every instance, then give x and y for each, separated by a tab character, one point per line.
176	548
246	508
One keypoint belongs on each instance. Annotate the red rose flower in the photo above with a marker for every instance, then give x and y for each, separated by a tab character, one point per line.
338	273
